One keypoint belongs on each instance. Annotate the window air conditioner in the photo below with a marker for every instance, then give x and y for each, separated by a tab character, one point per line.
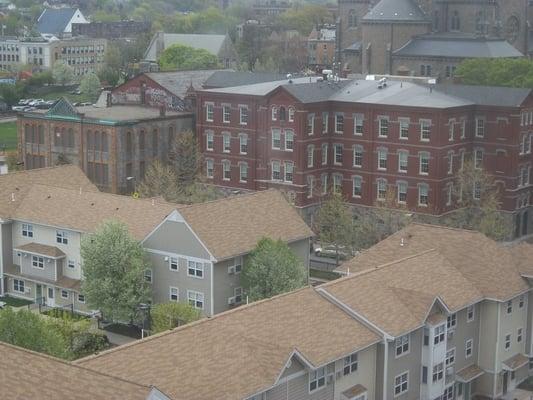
231	270
166	258
231	300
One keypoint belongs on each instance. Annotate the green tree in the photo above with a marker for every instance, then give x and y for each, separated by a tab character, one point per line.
334	224
11	94
179	57
62	73
270	269
304	17
496	72
186	158
113	267
27	329
166	316
477	199
90	86
160	179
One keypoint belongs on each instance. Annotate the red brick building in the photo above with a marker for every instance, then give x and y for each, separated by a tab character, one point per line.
365	139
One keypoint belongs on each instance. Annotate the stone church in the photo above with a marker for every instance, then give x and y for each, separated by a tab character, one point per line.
429	37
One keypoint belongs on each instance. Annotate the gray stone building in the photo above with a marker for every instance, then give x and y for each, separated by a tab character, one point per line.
371	34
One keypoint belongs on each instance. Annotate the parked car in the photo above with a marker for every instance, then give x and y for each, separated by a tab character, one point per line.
18	108
75	91
330	250
35	102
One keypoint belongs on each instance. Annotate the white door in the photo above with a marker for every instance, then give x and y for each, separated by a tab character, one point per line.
50	302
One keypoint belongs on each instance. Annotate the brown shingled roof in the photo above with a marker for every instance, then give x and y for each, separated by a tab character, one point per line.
41	249
206	359
391	284
233	226
25	374
85	210
15	185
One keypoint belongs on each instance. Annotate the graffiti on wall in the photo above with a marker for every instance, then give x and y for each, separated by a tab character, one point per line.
153	97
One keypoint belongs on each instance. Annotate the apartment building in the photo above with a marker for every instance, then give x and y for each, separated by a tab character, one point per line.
321	48
191	259
113	145
26	374
83	54
363	138
428	313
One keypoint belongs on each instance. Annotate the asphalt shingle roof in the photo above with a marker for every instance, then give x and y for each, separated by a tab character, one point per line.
457	47
54	20
487	95
396	10
178	82
225	78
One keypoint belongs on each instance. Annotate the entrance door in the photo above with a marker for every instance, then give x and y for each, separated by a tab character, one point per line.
51	301
39	294
505	379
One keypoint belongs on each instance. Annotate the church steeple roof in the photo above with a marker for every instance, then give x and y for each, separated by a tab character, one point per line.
396	11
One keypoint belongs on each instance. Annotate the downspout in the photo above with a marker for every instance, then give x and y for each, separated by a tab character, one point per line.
385	367
495	379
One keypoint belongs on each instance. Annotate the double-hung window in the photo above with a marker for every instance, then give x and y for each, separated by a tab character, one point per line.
404	128
383	126
381	189
425	130
243	115
358	124
243	172
439	334
402	192
451	130
350	364
382	159
324	154
209	112
401	383
226	140
62	237
451	322
174	294
450	357
226	113
469	345
337	150
337	183
402	345
480	127
276	139
325	122
210	140
195	299
424	163
317	379
423	194
243	144
173	263
18	285
438	372
470	313
507	344
27	230
274	113
37	262
289	168
339	123
358	156
148	275
289	140
209	168
478	158
195	269
403	157
310	124
226	170
357	186
310	156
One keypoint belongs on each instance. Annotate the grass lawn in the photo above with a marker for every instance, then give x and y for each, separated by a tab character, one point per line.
327	275
8	136
15	302
73	98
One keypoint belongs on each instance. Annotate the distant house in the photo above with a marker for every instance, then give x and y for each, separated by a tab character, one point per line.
218	45
59	21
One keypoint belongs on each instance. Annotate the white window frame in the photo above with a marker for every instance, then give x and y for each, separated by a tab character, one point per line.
521	301
383	127
480	128
437	372
276	137
337	183
291	114
451	130
81	298
507	342
71	264
63	292
278	170
469	348
402	346
196	297
243	172
357	154
19	285
274	113
403	163
226	112
425	130
210	168
470	313
289	139
197	268
450	357
324	154
358	124
424	186
310	124
403	124
325	122
351	364
243	115
170	293
478	161
354	186
173	261
243	141
439	334
27	230
288	171
519	334
451	321
402	184
382	158
310	186
380	181
209	112
210	141
61	237
463	128
336	153
37	262
450	162
310	156
509	307
226	163
401	383
317	376
226	140
148	275
339	121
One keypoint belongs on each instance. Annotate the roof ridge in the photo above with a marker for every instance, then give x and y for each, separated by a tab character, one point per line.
69	363
379	267
190	325
38	170
229	198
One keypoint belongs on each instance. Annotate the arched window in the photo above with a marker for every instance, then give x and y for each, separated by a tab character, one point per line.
456	22
282	113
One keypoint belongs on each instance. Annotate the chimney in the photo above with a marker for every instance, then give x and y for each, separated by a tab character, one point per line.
162	111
